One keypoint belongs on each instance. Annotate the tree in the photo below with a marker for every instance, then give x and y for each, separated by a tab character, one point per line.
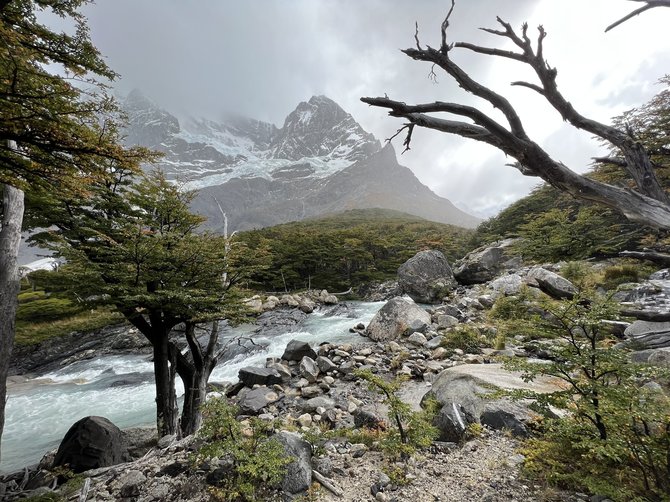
648	203
135	244
58	128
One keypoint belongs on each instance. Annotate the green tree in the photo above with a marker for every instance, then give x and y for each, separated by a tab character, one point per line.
58	128
135	244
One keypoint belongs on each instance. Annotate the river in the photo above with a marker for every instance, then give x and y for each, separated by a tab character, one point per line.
120	387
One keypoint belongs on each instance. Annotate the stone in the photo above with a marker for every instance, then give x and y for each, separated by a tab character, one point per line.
257	399
397	317
434	342
507	285
251	375
91	443
298	476
296	350
283	370
394	346
648	335
417	339
316	402
551	283
368	419
426	277
439	353
446	321
305	420
131	483
308	369
306	305
325	365
311	391
508	416
486	263
660	357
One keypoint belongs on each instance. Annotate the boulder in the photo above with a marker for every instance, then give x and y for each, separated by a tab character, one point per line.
509	284
90	443
298	476
417	339
426	277
505	415
296	350
251	376
459	402
551	283
325	365
660	357
399	316
486	263
255	400
648	335
308	369
318	402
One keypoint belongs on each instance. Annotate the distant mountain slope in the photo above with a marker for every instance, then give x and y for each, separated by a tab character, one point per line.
320	161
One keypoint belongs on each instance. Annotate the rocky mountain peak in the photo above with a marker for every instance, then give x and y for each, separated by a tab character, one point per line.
148	125
320	127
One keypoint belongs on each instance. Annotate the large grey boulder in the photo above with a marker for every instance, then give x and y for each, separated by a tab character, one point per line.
91	443
251	375
298	477
551	283
426	277
296	350
399	316
252	402
648	335
486	263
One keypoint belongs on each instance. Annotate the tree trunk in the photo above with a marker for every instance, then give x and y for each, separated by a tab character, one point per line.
166	399
195	391
10	238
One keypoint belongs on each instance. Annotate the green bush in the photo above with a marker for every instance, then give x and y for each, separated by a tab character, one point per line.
466	338
257	462
47	309
31	296
613	437
620	274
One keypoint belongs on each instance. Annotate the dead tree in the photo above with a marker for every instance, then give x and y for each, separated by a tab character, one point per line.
648	4
647	204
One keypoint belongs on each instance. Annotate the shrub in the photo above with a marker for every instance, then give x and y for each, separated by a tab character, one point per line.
30	296
256	462
614	436
47	309
466	338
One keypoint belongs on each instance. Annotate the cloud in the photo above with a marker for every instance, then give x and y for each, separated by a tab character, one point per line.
261	58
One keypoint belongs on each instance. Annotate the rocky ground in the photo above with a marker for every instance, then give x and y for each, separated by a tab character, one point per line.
315	387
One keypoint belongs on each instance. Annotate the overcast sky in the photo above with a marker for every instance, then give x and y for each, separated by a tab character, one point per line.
261	57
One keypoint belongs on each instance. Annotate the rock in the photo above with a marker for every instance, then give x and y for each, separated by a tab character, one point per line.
660	357
439	353
306	305
90	443
368	419
251	376
508	416
166	441
308	369
131	483
296	350
426	277
280	368
417	339
254	304
507	285
317	402
305	420
257	399
397	317
446	321
460	404
551	283
310	392
662	274
325	365
298	477
648	335
486	263
328	298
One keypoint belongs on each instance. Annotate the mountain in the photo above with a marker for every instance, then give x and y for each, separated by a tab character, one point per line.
319	162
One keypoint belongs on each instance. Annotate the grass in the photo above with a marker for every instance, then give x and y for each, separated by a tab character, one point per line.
29	333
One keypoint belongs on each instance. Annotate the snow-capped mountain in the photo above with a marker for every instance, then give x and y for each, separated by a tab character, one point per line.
320	161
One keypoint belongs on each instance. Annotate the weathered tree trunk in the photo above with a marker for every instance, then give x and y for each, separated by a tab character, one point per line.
195	392
10	238
166	399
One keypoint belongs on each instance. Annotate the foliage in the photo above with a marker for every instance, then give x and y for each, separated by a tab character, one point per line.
28	332
411	429
348	249
614	429
466	338
48	309
257	462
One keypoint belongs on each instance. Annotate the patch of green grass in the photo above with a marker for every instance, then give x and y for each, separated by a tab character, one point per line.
29	333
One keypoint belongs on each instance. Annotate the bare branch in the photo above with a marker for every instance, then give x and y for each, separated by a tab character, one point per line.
650	5
416	35
445	24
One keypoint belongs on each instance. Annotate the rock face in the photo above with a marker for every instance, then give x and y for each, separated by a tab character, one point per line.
649	335
486	263
551	283
319	162
298	475
92	442
399	316
426	277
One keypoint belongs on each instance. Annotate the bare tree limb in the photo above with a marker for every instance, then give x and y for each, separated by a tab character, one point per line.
648	204
650	4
